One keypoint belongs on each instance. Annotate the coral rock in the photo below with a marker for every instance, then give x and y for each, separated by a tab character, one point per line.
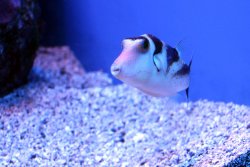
18	42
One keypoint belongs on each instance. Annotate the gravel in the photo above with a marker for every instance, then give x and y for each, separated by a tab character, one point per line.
74	118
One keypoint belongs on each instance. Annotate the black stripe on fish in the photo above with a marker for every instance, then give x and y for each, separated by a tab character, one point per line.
172	55
145	44
185	69
158	44
135	38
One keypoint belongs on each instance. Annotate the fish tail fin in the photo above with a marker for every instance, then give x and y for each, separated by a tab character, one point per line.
185	48
189	67
187	93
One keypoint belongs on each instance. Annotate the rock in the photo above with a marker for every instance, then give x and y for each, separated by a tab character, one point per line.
57	66
8	9
18	42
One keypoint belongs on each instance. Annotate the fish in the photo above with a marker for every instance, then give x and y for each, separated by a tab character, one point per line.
152	66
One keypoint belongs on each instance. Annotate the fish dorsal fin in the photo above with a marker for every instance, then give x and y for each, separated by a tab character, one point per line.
190	63
181	47
185	49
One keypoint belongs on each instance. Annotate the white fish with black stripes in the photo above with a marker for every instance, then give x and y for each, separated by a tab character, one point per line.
152	66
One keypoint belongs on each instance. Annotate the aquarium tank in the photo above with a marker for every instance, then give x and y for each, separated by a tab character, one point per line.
216	34
124	83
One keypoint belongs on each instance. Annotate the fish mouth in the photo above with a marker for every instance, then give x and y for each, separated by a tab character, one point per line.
115	70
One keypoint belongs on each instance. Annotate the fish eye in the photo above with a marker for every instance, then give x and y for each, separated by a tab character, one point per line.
144	46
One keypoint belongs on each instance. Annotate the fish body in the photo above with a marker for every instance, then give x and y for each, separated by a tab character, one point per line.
152	66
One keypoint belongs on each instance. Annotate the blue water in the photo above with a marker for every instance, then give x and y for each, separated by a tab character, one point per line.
219	32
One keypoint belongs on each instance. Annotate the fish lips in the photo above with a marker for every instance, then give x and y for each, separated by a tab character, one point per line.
115	70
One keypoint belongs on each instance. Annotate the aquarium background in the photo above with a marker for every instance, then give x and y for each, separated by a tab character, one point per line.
217	34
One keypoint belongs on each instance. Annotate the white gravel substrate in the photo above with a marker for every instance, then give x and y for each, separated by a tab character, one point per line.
88	122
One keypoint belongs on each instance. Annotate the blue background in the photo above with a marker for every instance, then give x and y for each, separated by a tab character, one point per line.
218	32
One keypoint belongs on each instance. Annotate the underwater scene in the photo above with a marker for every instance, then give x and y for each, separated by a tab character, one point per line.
124	83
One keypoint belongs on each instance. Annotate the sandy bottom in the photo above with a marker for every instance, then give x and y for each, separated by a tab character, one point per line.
65	118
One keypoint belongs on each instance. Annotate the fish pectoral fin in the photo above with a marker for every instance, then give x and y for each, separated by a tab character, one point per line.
157	63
